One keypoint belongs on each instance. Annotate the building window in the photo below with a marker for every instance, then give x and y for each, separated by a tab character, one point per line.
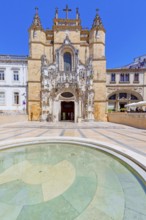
127	77
113	97
16	76
2	98
16	98
67	62
133	97
124	77
136	77
121	77
113	77
2	75
123	96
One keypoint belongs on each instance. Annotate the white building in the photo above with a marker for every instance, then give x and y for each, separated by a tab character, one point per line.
13	84
127	84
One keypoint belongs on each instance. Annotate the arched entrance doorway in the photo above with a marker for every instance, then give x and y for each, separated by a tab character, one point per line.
67	111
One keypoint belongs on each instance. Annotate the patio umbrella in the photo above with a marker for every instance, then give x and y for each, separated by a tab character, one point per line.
136	104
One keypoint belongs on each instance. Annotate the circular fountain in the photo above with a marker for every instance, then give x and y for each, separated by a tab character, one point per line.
64	178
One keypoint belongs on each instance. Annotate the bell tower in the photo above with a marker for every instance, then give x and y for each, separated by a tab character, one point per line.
97	52
36	49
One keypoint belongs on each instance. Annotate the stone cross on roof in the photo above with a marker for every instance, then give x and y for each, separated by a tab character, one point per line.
97	21
97	10
36	19
36	10
67	10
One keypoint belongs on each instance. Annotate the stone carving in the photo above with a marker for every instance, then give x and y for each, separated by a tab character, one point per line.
36	20
90	104
79	81
44	60
97	21
67	40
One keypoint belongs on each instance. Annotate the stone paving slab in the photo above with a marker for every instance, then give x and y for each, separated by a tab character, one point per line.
117	134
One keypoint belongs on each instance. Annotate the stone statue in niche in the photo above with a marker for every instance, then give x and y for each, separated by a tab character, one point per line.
57	60
90	97
44	61
90	105
90	61
77	57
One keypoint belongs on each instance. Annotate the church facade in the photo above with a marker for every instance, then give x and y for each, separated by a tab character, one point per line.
67	70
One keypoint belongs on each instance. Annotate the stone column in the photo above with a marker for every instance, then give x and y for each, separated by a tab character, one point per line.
116	107
80	110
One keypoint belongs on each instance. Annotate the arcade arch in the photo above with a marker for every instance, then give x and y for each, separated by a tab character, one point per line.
117	100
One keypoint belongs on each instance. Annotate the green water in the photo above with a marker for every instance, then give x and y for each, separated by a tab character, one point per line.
101	188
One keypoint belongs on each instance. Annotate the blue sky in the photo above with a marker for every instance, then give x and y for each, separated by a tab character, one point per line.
124	21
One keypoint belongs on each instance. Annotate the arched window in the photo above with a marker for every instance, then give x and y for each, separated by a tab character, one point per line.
133	97
67	62
112	97
123	95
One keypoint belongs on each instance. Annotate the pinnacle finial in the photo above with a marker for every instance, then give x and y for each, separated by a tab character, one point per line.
56	13
36	19
97	20
77	13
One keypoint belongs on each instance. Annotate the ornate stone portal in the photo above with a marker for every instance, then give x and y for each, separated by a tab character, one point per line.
58	86
67	70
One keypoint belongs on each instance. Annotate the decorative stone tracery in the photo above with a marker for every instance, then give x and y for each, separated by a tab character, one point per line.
55	81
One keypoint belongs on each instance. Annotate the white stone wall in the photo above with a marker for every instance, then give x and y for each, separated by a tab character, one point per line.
131	78
9	85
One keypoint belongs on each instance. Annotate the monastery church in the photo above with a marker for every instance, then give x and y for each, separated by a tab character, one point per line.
67	70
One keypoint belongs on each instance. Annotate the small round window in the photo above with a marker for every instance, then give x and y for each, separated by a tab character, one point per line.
67	95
